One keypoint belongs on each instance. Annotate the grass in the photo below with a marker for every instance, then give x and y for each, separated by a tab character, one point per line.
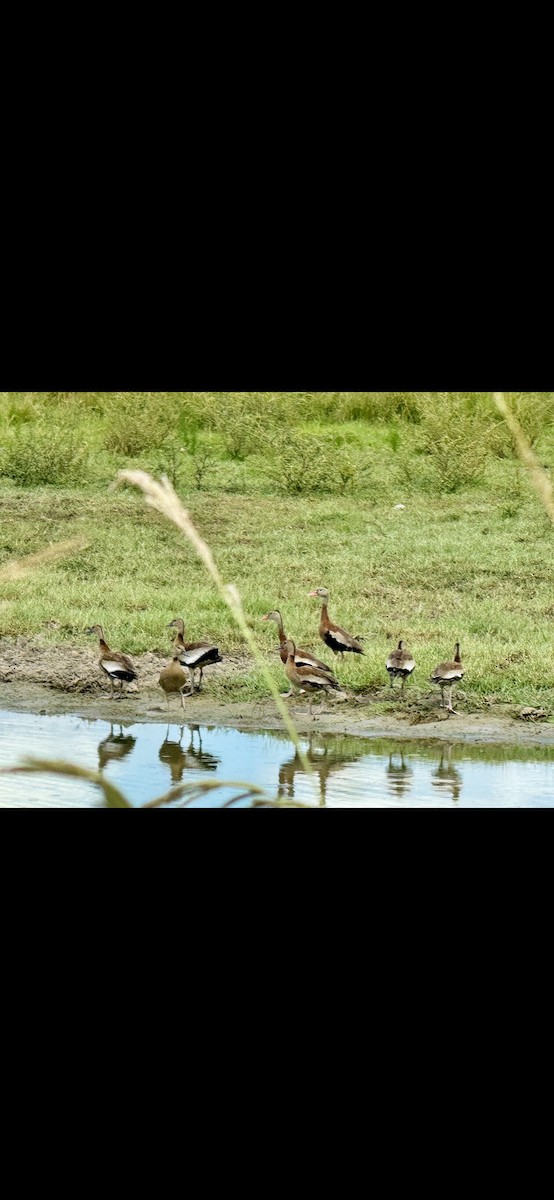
474	567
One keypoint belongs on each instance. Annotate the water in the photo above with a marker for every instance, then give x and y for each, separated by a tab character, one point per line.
145	761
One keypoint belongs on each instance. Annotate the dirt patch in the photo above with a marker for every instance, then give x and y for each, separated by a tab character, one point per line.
38	677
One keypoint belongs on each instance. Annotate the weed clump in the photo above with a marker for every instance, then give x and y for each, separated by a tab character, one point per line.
139	421
43	453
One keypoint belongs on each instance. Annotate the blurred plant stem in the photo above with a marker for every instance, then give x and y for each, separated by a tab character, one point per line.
161	496
538	475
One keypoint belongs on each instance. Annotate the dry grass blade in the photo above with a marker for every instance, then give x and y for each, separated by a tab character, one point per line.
17	569
539	478
161	496
36	766
189	792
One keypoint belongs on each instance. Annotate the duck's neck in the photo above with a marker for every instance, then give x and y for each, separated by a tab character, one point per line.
103	646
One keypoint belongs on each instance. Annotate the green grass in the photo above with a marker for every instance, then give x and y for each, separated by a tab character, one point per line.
442	569
468	557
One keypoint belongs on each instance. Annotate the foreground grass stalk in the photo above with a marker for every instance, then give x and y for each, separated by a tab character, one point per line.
19	568
32	766
187	793
164	499
539	478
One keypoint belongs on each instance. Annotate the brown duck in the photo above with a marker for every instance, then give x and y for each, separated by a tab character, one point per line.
400	664
310	679
447	675
173	680
302	658
194	655
337	639
114	664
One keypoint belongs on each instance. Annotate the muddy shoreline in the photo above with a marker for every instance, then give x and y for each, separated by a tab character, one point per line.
41	678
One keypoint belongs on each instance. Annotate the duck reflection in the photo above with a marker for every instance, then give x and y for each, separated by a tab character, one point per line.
447	775
114	746
177	758
399	774
325	761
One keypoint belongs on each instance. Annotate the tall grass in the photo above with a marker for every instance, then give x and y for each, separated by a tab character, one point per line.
288	442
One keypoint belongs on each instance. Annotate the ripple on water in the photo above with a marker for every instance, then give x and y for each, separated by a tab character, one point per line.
145	761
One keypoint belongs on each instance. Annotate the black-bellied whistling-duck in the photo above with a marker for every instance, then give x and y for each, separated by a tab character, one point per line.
194	655
337	639
173	680
302	658
310	679
400	663
116	665
114	746
447	675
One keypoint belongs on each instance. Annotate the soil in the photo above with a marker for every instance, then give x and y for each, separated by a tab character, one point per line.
38	677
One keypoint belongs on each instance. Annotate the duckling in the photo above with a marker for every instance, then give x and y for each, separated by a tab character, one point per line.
173	679
113	663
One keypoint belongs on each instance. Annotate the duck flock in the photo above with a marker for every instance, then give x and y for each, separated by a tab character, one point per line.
305	672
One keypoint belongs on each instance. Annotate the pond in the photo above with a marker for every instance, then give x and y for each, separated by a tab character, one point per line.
145	760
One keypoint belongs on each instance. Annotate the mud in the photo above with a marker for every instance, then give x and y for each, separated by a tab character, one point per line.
38	677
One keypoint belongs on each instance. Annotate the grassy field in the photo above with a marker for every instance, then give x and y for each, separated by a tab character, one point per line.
291	492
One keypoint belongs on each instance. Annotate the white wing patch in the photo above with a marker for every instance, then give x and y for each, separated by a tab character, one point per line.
191	656
111	666
338	636
317	679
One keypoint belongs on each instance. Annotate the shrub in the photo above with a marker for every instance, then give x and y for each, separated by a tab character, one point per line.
138	421
45	454
311	464
456	439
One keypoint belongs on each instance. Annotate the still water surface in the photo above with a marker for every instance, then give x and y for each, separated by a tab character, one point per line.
145	761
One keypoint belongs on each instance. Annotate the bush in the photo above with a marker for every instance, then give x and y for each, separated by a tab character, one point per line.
138	421
314	464
45	454
456	439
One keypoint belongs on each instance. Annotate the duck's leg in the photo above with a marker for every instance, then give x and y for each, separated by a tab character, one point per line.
182	701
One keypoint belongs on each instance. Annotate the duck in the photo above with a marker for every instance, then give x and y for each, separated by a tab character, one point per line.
401	663
114	746
447	675
194	655
302	658
115	665
310	679
337	639
173	680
